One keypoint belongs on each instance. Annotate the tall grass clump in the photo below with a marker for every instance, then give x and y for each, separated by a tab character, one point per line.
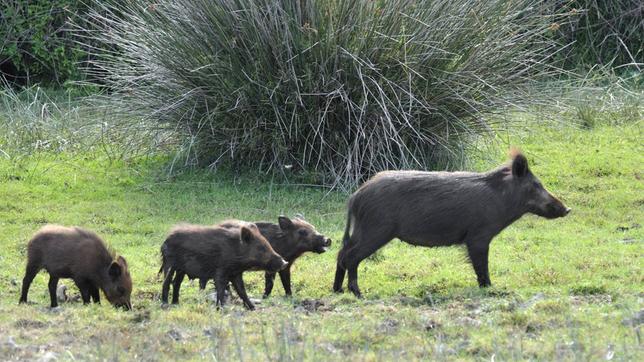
338	88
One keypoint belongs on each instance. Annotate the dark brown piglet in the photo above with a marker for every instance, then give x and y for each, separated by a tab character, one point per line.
82	256
215	252
290	238
439	209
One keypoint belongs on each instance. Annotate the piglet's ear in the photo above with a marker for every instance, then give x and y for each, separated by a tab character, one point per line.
285	223
246	235
519	165
115	270
122	260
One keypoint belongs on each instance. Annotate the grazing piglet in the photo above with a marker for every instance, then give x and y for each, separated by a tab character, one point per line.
215	252
440	209
82	256
290	239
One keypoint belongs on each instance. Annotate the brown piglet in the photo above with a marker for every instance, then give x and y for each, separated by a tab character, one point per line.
78	254
290	238
215	252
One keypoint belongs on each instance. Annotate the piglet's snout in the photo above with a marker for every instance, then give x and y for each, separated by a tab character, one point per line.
284	264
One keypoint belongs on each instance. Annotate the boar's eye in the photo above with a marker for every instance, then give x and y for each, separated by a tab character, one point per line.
303	233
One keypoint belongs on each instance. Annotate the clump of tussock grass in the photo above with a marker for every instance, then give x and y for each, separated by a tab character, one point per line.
341	89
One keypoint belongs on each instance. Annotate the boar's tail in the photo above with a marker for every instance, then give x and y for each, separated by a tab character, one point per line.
346	239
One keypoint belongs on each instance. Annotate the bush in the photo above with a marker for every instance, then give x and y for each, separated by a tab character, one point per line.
35	45
338	88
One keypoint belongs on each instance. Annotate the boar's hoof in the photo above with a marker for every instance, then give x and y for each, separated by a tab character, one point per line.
338	290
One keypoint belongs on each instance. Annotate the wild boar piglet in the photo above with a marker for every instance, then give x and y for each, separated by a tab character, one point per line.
79	254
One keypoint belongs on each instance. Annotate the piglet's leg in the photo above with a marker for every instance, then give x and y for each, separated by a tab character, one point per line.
221	283
53	285
30	273
176	287
96	295
238	284
85	290
285	277
269	280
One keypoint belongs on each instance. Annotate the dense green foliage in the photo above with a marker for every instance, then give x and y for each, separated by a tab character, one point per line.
36	41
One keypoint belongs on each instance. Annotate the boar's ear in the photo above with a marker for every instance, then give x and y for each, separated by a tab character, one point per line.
115	270
519	165
246	235
285	222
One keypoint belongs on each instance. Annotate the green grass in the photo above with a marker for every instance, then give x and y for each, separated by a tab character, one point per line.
568	289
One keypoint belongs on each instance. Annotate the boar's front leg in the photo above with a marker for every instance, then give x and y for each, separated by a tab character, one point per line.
269	280
285	277
238	284
478	253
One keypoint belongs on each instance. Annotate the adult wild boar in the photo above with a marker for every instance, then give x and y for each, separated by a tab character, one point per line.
440	209
215	252
82	256
290	238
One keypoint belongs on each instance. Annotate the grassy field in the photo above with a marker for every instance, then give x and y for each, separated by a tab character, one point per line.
568	289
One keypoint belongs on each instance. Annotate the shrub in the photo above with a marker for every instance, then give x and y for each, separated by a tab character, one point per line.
36	45
338	88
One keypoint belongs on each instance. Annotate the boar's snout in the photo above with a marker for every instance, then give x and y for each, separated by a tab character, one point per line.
555	209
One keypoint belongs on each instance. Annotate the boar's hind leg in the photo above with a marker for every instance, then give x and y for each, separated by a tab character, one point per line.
478	253
165	289
269	279
238	284
362	249
30	273
178	279
340	272
53	285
